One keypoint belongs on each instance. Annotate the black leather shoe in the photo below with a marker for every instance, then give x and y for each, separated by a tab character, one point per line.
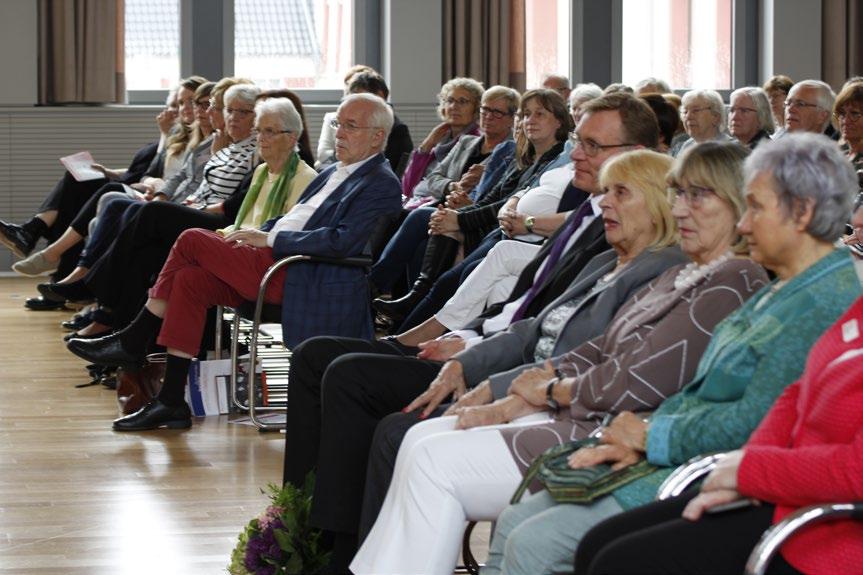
75	335
42	304
75	292
17	239
155	415
78	321
106	350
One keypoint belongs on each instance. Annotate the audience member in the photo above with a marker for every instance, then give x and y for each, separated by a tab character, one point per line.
777	88
749	118
558	83
808	107
652	86
579	96
703	114
327	139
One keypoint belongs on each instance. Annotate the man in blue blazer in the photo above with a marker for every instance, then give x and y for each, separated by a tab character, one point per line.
334	217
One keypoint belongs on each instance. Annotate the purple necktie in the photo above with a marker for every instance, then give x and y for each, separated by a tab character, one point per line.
553	257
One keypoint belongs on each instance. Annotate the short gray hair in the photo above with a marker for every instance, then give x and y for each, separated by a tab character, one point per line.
245	93
713	100
285	110
762	106
583	92
825	96
382	115
473	87
808	167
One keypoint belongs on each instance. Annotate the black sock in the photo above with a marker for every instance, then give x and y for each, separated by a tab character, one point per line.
174	386
36	227
138	334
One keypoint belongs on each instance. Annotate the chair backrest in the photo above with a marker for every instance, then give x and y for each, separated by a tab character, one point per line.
384	229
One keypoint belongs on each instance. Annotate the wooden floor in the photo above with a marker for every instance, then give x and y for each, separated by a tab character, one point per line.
77	498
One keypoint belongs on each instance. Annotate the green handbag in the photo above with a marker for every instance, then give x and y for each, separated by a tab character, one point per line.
567	485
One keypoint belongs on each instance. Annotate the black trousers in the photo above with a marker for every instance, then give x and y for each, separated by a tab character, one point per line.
655	539
121	277
340	388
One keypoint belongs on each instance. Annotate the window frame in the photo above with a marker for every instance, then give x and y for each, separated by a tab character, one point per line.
207	30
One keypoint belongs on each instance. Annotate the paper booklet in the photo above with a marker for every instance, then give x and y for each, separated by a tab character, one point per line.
80	165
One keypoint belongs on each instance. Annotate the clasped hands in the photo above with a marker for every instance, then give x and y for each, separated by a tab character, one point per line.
443	221
622	444
512	223
254	238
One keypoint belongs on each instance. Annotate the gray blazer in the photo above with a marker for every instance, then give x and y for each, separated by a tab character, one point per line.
449	170
514	347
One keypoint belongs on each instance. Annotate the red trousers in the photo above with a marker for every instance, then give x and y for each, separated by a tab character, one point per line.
202	271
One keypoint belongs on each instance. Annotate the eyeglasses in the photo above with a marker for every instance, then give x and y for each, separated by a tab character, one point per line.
496	114
742	110
592	148
460	102
694	195
851	116
238	112
202	104
268	133
799	104
686	111
349	127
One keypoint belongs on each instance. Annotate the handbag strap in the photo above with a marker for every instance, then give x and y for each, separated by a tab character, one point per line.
550	453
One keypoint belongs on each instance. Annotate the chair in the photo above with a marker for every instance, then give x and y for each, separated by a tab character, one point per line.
774	537
374	246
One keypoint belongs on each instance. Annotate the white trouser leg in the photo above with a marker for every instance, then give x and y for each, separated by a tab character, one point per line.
491	281
441	479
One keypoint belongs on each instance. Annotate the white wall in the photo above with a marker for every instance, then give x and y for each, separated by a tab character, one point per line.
790	39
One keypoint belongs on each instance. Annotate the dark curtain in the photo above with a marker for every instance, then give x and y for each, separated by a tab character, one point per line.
81	56
842	40
484	40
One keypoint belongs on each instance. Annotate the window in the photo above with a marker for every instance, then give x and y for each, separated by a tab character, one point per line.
546	39
152	44
293	43
684	42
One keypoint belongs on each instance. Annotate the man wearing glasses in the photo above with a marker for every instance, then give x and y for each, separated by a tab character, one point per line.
808	107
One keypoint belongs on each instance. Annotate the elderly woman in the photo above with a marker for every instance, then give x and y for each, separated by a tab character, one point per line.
458	107
794	458
777	88
663	329
276	186
580	95
848	111
798	195
459	171
749	118
545	125
703	114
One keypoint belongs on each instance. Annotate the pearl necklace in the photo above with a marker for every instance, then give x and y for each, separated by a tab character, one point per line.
693	273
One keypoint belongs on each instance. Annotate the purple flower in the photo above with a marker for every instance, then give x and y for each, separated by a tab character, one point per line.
263	547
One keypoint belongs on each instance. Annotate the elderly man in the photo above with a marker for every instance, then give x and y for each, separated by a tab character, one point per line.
334	217
558	83
808	107
341	388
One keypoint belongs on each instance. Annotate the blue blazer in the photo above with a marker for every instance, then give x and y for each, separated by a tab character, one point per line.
324	299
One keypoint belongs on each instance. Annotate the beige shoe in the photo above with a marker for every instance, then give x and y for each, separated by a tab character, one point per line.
34	265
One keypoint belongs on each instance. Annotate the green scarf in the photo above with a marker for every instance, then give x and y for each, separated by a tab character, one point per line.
275	203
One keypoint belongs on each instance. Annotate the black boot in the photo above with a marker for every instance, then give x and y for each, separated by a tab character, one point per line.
439	257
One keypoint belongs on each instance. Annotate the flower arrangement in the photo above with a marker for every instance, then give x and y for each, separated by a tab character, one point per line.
280	541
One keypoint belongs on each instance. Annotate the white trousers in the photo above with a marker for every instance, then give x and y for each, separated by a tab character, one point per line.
442	478
492	281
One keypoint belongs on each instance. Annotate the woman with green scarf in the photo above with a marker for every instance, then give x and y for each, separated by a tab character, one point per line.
278	183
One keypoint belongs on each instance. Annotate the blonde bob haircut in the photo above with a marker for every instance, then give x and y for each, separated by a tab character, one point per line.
717	166
645	171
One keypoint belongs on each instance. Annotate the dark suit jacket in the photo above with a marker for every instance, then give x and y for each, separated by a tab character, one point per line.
590	243
324	299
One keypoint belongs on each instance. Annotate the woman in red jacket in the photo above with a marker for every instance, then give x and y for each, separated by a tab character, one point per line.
807	450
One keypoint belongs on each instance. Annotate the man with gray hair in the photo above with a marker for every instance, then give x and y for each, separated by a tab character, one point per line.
558	83
808	107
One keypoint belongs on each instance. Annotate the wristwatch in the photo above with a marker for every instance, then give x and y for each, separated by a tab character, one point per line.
550	401
528	223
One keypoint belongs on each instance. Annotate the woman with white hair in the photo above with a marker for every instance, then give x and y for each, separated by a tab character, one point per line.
580	95
750	120
703	114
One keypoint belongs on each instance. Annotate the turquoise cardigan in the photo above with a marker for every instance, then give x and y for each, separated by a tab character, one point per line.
753	355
